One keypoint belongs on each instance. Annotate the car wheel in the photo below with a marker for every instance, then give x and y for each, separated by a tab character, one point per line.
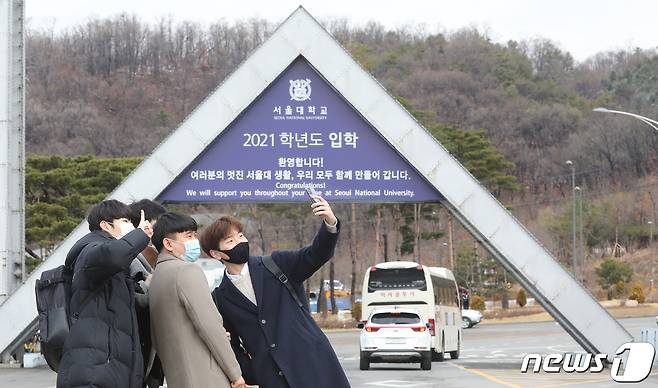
364	361
466	323
426	361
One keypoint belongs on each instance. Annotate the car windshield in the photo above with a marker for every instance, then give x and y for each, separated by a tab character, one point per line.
394	318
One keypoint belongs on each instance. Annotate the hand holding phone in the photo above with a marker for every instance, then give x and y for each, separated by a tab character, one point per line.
312	193
320	206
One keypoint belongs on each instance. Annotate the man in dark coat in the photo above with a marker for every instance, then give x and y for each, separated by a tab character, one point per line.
285	346
103	347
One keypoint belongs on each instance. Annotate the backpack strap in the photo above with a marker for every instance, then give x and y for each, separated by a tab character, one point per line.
45	283
271	266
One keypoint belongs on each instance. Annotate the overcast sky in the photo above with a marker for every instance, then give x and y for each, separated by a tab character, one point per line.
582	27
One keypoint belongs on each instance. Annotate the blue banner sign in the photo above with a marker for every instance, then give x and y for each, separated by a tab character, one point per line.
299	132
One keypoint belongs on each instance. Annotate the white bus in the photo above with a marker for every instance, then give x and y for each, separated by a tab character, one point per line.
432	291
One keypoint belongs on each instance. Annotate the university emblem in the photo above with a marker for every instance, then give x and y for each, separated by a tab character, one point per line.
300	89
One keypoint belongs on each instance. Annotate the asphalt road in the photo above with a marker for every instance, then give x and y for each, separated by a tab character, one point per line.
491	357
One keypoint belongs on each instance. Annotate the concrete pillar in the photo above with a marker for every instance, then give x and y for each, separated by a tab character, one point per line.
12	146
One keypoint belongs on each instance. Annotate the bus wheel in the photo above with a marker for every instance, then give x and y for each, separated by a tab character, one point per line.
426	361
455	354
364	361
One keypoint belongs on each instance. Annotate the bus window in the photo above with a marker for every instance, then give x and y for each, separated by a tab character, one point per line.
398	279
445	293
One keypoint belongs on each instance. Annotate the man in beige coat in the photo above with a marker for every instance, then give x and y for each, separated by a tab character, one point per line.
188	332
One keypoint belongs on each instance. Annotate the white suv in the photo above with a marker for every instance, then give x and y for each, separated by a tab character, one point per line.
395	335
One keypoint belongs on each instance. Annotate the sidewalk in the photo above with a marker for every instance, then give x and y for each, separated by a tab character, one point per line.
643	310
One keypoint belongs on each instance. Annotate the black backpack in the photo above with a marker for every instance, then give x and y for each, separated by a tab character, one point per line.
53	293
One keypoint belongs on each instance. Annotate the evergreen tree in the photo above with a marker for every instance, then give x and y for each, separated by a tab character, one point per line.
60	190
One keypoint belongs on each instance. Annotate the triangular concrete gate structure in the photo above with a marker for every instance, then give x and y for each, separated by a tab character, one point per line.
495	227
279	145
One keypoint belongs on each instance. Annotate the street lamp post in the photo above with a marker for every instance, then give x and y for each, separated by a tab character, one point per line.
650	232
573	215
444	255
653	260
652	123
581	246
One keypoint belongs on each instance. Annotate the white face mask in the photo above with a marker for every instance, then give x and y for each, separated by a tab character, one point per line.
125	227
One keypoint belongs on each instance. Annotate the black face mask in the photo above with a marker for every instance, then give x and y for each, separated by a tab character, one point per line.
239	254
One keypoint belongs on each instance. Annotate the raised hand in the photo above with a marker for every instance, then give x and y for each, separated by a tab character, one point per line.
322	209
145	225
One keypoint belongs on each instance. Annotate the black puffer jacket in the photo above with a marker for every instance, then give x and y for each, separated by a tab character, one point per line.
102	349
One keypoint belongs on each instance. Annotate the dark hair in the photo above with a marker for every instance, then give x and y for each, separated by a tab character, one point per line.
108	211
171	223
217	231
152	211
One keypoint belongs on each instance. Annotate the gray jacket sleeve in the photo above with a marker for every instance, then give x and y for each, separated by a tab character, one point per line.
136	267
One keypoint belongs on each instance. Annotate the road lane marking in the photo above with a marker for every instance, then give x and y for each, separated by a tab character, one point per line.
487	376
